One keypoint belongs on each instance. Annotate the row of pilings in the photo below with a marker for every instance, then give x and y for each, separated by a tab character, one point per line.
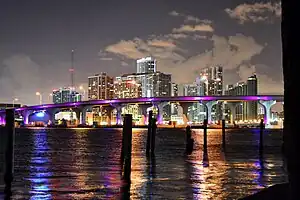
126	149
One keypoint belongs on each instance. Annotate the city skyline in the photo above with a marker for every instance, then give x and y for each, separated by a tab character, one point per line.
183	39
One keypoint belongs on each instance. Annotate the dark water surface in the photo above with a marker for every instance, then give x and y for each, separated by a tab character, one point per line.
84	164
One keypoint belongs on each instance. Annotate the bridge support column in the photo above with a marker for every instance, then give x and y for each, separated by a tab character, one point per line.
208	105
2	119
25	114
118	108
232	107
143	110
185	108
52	112
84	110
160	115
267	108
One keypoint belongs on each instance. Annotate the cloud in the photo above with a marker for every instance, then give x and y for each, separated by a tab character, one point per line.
162	43
228	52
106	59
174	13
19	75
189	18
196	28
234	53
257	12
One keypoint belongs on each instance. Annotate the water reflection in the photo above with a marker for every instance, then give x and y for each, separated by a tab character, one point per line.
84	164
39	170
138	163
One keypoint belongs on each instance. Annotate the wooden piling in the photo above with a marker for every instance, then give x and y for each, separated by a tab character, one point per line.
205	135
261	136
149	132
128	147
223	135
9	153
153	135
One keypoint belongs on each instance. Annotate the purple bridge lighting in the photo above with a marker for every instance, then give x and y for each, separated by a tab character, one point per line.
266	100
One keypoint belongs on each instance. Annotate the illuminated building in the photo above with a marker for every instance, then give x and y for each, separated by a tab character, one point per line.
245	110
127	89
64	95
196	112
213	79
146	65
100	86
252	89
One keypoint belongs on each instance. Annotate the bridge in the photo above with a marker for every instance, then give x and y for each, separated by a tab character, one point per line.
81	108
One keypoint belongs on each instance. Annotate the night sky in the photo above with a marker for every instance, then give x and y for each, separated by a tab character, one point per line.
36	39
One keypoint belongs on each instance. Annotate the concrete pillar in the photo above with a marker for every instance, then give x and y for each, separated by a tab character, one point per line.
81	113
208	105
185	106
267	108
2	119
143	109
232	107
25	114
52	112
160	107
118	108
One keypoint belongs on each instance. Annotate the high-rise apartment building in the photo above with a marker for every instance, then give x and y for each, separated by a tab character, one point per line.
196	112
174	89
252	89
100	86
64	95
212	77
245	110
146	65
124	88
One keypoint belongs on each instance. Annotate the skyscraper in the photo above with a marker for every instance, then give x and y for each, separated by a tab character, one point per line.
213	79
146	65
100	86
64	95
124	88
245	110
252	89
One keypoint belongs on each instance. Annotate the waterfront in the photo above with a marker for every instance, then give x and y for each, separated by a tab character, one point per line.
84	164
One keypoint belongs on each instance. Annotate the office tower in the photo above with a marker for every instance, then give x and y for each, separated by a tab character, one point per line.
196	112
146	65
252	106
174	90
100	86
212	77
124	88
64	95
245	110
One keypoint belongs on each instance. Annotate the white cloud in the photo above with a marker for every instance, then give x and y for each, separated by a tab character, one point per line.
106	59
162	43
174	13
196	28
256	12
233	53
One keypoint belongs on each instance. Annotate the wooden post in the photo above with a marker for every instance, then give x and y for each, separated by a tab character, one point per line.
123	143
261	136
128	147
153	135
205	135
149	132
223	135
9	153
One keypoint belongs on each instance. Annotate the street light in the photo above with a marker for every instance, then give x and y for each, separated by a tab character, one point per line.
14	100
40	96
82	88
